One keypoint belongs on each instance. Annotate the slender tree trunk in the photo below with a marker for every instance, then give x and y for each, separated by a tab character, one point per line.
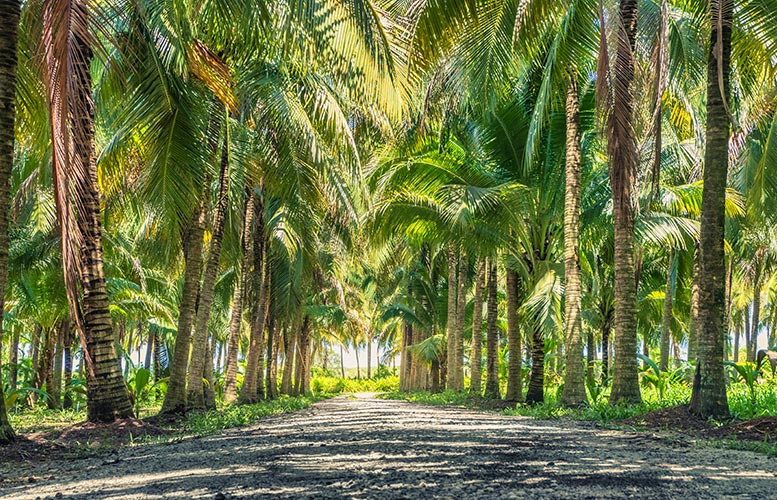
149	347
272	356
461	304
514	389
236	320
251	391
753	347
288	356
451	320
14	359
175	399
157	358
342	362
693	327
435	388
369	356
55	387
407	339
748	339
200	349
622	146
358	366
9	26
492	338
476	357
709	398
606	329
590	348
666	322
737	336
574	384
536	392
303	366
69	346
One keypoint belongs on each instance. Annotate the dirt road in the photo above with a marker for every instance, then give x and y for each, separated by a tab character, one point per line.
361	447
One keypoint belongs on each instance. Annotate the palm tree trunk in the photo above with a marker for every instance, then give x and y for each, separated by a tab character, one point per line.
606	330
67	376
303	366
107	394
13	359
288	360
407	339
54	381
514	389
461	304
195	398
590	348
666	322
492	338
272	356
175	399
476	357
622	146
149	347
737	336
342	362
236	320
574	383
251	391
451	321
753	347
536	392
693	327
9	28
709	398
369	356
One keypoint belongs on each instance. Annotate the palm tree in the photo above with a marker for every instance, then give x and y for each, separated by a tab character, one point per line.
574	383
709	388
9	26
67	43
622	148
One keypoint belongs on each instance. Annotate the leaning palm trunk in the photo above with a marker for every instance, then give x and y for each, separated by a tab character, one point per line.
622	146
451	321
514	389
175	399
195	398
476	357
574	383
253	386
9	26
236	320
66	40
708	398
492	338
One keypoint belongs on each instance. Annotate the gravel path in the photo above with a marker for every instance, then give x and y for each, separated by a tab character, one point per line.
361	447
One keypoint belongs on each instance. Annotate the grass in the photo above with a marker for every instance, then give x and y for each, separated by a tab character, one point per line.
677	393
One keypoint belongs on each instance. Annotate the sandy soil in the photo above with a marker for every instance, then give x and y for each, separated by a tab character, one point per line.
361	447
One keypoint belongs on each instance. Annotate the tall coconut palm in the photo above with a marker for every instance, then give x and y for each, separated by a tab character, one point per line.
9	27
574	383
622	149
67	41
709	388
